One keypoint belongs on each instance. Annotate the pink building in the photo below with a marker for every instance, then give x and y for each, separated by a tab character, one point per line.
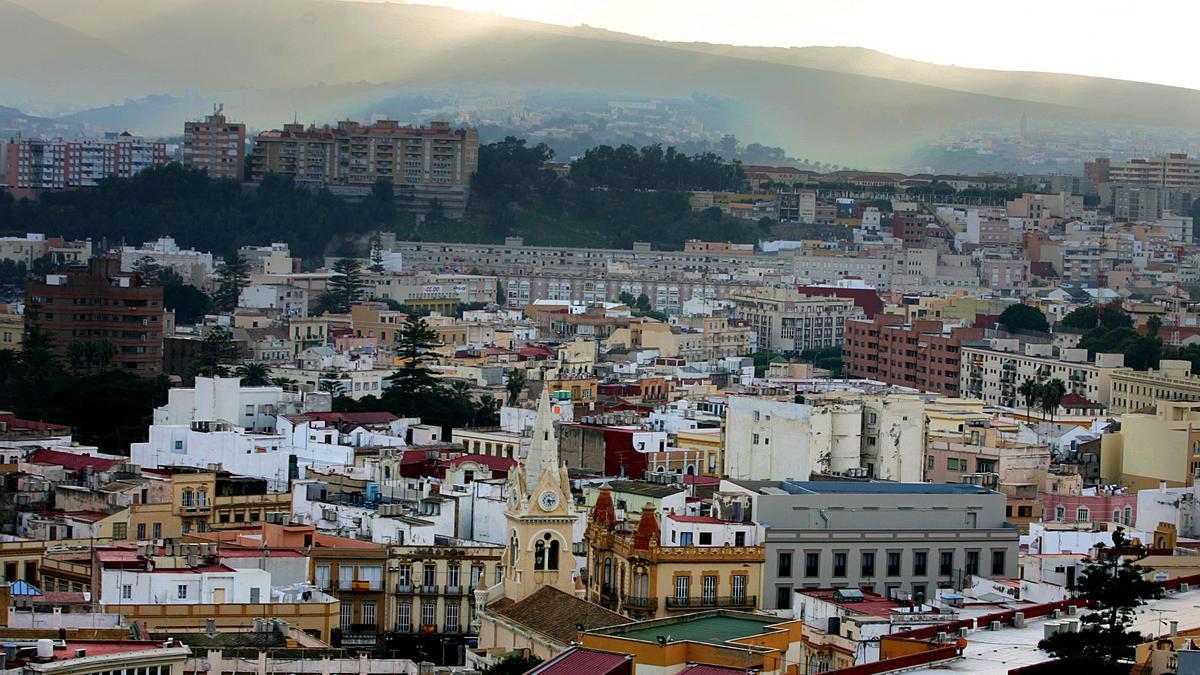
1117	507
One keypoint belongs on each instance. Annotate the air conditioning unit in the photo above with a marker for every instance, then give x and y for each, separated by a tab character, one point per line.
1183	588
1054	613
940	637
963	631
1019	620
1072	610
995	625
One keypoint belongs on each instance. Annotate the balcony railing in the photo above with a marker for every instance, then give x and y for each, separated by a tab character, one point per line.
404	628
453	590
404	589
674	602
359	585
427	590
633	602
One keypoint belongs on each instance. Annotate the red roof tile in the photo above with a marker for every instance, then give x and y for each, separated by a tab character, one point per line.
582	660
705	669
490	461
70	460
679	518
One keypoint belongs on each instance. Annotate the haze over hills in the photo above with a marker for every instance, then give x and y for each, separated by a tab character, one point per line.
318	59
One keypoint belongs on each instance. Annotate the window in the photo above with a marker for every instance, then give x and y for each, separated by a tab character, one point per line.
1060	513
453	575
452	617
255	595
997	563
784	565
156	530
868	564
120	530
839	564
812	564
973	562
685	538
428	614
706	538
181	592
920	562
368	612
946	564
783	597
738	583
127	592
429	571
708	589
1083	515
347	616
893	563
739	538
539	555
683	586
1128	515
322	576
404	616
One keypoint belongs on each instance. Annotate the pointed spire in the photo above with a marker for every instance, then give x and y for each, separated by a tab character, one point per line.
604	513
543	452
647	529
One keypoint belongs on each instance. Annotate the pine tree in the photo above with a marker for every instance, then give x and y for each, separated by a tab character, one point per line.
376	255
1115	585
217	353
235	276
414	345
345	289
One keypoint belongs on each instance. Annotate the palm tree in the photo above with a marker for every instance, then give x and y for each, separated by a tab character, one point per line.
1053	393
253	374
515	384
1031	391
282	381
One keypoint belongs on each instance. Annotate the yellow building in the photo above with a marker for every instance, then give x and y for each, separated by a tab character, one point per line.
1150	448
685	564
1133	390
12	329
215	500
645	334
710	446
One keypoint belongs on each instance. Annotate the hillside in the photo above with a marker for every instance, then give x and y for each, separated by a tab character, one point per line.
316	59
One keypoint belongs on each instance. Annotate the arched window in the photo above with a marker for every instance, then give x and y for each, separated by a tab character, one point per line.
1060	513
1116	515
1082	515
552	563
514	549
539	555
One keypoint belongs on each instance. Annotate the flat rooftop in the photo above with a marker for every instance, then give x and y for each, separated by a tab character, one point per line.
711	629
860	487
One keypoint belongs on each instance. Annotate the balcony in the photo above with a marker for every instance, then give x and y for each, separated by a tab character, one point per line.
427	590
404	628
404	589
632	602
453	590
359	585
708	602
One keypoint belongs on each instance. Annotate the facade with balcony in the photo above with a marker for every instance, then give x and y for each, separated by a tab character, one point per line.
684	564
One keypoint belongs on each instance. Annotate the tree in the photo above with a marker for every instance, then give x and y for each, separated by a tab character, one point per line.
515	384
626	298
1031	391
414	344
643	303
253	374
345	289
1051	394
217	352
487	411
1153	325
1115	586
148	268
234	273
376	254
1082	318
512	664
90	355
1023	317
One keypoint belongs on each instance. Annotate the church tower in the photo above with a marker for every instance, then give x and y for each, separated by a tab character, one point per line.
540	516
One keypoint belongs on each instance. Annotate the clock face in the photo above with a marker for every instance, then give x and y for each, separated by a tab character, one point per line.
548	501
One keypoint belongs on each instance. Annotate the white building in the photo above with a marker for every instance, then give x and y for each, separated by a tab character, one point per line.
194	267
288	300
857	435
1179	506
213	583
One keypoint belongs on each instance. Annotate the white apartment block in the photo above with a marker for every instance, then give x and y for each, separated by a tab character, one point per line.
993	370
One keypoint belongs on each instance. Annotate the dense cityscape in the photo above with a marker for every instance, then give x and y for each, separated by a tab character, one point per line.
549	382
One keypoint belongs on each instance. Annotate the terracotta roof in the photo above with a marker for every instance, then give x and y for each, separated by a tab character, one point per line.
70	460
354	417
705	669
1073	400
490	461
556	614
583	660
679	518
647	530
604	512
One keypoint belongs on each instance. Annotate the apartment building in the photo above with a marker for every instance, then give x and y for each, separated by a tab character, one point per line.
798	206
1133	390
840	433
829	269
993	369
215	145
788	322
923	354
427	164
1152	448
36	165
896	539
101	304
1170	171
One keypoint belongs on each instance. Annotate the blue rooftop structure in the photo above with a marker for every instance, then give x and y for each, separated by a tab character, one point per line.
23	587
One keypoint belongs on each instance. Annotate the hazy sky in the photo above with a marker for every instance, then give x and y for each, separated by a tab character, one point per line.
1146	40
